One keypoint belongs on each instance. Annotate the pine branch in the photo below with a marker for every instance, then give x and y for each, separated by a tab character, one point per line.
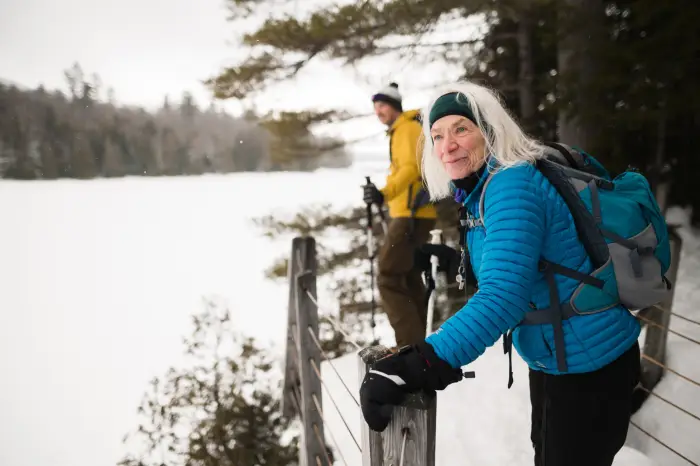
241	9
219	411
349	32
430	47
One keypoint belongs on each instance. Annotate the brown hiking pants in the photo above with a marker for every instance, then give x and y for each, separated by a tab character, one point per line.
400	284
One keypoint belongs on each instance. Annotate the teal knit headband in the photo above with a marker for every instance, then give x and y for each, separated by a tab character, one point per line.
449	104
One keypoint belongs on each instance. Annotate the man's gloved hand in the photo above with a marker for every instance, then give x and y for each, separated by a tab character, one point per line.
448	258
372	195
413	368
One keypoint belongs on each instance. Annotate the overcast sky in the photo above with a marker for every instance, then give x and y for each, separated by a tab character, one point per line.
145	49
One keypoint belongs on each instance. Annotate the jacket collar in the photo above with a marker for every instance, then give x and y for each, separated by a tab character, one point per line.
405	117
463	197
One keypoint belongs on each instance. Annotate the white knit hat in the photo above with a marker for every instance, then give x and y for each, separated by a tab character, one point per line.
389	94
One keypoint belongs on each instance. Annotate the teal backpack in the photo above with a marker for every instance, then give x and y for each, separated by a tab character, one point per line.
622	229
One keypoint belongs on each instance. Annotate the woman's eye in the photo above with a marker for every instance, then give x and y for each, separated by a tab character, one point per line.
461	129
437	137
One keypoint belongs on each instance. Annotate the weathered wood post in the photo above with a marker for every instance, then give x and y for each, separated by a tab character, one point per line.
655	340
301	384
291	364
410	433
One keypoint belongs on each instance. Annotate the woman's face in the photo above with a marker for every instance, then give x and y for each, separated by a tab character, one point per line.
459	145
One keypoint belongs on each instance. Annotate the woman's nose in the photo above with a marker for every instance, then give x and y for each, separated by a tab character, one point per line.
450	145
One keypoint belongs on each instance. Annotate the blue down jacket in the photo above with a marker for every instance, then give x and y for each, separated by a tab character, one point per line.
526	219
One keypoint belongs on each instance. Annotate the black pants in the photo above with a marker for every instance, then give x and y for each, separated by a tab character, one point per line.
582	419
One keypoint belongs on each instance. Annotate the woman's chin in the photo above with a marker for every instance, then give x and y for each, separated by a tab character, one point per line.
459	173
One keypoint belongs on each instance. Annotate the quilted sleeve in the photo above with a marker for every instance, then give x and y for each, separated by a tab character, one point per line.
514	217
405	155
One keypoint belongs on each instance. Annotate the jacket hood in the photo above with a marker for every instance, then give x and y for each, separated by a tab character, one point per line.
406	116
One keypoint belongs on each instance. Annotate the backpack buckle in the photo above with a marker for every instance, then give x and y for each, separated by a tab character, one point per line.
667	282
470	222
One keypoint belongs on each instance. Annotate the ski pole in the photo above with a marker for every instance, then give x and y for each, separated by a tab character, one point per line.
370	254
435	238
385	228
380	211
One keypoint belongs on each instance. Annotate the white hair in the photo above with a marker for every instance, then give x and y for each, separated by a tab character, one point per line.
505	140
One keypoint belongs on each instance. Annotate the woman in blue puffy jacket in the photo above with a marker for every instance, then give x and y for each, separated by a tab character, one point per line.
581	397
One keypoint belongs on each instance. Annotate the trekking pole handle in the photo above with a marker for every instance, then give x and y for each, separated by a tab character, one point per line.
379	208
369	205
435	238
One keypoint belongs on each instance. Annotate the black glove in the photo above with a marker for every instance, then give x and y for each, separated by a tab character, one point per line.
390	379
372	195
448	258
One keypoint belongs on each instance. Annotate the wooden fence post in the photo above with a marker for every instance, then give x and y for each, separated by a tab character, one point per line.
655	340
302	386
411	430
291	372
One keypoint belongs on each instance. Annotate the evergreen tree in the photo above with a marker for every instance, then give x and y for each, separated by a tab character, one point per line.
113	160
598	74
74	78
82	157
221	409
46	135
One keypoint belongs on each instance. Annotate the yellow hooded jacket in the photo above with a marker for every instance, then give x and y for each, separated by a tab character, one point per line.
404	181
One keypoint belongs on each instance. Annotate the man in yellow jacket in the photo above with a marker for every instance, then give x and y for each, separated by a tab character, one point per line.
412	217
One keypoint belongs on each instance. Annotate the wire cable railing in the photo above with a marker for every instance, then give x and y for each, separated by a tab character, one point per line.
665	328
333	321
305	337
308	336
335	442
687	319
673	313
321	442
340	413
317	372
330	363
665	368
672	371
305	381
403	446
663	444
669	402
296	397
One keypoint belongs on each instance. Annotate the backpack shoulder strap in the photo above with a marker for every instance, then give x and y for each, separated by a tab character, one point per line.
559	177
586	226
569	155
489	177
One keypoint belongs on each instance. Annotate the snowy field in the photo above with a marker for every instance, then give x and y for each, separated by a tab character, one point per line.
100	279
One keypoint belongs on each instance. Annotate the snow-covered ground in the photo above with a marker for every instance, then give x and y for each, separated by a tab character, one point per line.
669	424
100	278
479	421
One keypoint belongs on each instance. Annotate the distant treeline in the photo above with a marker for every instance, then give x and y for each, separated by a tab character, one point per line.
48	135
